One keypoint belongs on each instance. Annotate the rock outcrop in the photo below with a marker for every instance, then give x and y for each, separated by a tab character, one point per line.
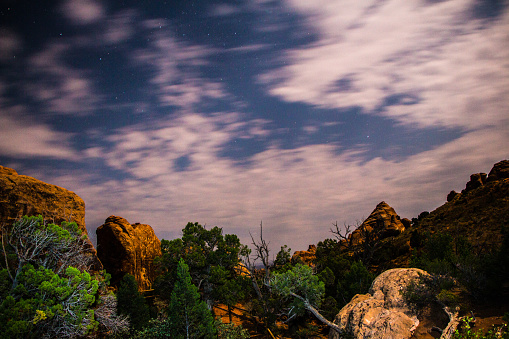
305	257
476	181
23	195
383	312
499	171
383	220
124	248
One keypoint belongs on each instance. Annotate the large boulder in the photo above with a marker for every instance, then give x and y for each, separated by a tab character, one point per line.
124	248
23	195
383	312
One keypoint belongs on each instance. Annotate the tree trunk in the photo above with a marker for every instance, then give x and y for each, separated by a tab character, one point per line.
454	321
317	314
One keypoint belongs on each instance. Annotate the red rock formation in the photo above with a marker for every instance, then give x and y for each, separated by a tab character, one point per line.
124	248
383	220
306	257
23	195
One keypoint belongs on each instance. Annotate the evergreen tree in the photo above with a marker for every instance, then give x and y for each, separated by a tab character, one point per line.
131	303
48	292
188	316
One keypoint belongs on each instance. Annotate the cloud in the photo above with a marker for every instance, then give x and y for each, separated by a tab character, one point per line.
120	27
83	12
10	45
176	68
224	10
60	88
21	138
297	193
454	67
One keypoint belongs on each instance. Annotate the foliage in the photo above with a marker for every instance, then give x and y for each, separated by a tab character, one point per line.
188	316
131	303
429	288
467	332
299	282
46	296
231	331
283	261
357	280
212	259
478	271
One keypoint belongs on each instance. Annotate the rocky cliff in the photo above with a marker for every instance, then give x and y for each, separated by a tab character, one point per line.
124	248
23	195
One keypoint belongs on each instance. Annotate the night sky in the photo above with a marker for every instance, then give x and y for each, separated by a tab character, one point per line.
299	113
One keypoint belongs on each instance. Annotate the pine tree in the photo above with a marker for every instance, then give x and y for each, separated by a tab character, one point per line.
131	303
188	315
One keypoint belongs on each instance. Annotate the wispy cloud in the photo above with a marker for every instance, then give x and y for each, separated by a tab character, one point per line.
21	138
454	68
83	12
175	66
10	44
58	87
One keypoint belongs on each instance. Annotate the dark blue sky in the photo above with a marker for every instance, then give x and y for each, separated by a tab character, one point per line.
293	112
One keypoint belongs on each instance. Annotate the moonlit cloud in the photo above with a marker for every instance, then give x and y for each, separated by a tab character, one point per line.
120	27
224	10
10	44
83	12
176	68
23	139
59	87
455	69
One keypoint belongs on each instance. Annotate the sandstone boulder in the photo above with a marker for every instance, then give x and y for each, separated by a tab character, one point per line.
23	195
499	171
124	248
383	312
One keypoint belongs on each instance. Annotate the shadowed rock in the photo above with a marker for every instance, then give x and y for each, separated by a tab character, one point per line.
124	248
499	171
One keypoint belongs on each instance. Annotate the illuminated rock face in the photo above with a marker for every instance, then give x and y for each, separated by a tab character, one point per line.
384	221
383	312
124	248
23	195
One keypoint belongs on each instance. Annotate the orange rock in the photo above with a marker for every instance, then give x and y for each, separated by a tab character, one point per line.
124	248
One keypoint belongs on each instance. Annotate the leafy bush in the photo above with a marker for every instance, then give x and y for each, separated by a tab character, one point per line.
51	293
